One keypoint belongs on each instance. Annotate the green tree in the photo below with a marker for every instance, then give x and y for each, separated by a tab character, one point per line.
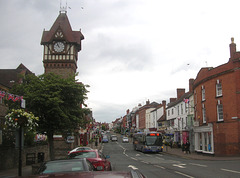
56	101
103	127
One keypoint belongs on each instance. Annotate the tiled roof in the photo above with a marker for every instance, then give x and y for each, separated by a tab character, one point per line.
162	118
9	76
62	23
186	95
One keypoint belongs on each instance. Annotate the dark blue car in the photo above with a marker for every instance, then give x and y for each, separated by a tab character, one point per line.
105	139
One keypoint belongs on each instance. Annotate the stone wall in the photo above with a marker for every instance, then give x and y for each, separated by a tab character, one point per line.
9	156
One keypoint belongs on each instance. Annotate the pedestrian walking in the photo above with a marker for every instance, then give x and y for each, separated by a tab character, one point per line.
188	147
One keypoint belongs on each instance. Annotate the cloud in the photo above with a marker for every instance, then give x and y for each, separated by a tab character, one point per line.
133	50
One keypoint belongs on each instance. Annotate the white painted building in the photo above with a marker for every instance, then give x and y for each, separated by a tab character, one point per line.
149	120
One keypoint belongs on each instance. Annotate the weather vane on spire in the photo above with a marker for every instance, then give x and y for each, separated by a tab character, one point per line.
63	9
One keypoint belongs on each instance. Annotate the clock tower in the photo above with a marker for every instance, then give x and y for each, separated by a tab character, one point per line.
61	46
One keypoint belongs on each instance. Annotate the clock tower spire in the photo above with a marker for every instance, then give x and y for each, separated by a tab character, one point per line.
61	46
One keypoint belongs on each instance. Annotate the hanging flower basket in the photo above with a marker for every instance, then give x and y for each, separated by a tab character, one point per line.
19	117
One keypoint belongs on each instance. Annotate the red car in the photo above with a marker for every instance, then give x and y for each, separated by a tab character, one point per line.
98	160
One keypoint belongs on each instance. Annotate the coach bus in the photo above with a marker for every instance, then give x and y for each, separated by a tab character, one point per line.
148	142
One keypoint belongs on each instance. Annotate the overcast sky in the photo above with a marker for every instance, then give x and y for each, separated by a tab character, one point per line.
134	50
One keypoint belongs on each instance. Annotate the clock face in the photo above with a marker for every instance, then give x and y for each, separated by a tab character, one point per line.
59	47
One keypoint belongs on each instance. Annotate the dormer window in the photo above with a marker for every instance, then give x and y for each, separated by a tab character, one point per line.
218	88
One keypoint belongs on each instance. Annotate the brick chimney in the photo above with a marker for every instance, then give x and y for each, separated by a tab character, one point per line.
164	106
147	102
173	99
191	80
180	92
164	102
232	48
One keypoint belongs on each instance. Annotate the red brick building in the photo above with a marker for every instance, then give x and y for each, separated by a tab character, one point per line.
217	104
142	113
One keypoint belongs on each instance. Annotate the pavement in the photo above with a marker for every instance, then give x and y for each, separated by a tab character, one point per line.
27	170
198	156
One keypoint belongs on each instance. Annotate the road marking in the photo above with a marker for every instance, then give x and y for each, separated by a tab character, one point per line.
159	155
198	165
231	171
161	158
179	165
159	166
138	155
184	174
145	162
133	167
134	158
148	155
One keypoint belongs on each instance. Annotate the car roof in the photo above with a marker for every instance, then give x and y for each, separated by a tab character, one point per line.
93	150
100	174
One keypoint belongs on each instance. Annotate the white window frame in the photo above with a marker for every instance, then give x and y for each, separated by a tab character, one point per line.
204	113
181	108
218	88
220	111
203	93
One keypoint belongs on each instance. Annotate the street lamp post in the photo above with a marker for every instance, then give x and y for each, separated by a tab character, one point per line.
20	152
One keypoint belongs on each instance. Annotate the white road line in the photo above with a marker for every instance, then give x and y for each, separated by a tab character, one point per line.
133	167
134	158
159	166
145	162
159	155
179	165
198	165
161	158
148	155
184	174
231	171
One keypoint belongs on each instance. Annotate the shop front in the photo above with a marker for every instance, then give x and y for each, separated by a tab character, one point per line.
204	139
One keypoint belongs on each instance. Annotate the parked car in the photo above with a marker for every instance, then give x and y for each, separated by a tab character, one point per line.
125	140
105	139
105	174
99	161
114	138
65	165
79	149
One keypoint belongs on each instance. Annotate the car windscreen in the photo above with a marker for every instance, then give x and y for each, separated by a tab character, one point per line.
57	167
90	154
153	140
